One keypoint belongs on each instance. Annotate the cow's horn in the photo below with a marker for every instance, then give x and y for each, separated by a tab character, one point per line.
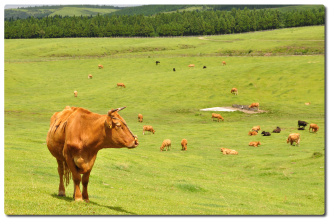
119	109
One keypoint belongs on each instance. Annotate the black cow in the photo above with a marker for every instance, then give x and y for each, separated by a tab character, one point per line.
204	67
277	130
265	133
157	62
302	124
173	69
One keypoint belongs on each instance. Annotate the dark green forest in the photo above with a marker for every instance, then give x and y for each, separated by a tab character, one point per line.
186	23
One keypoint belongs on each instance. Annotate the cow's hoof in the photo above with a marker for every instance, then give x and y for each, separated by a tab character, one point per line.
86	200
61	193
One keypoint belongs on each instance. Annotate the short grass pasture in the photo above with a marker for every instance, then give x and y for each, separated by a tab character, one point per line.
285	41
272	179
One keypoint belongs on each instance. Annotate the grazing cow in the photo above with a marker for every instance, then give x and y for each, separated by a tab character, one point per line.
191	66
255	128
74	138
75	93
217	116
308	103
173	69
204	67
184	144
253	133
265	133
166	143
254	105
314	127
100	66
234	90
302	123
294	137
223	63
277	130
254	143
148	128
226	151
140	118
121	85
157	62
90	76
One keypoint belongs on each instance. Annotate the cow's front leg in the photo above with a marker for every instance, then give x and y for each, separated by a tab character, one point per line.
85	179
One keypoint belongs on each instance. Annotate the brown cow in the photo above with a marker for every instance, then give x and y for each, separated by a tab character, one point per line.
100	66
191	66
254	105
255	128
234	90
74	138
226	151
121	85
184	144
253	133
254	143
223	63
148	128
308	103
90	76
294	137
166	143
217	116
75	93
314	127
140	118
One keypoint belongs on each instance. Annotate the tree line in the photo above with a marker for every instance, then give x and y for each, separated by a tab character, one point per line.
184	23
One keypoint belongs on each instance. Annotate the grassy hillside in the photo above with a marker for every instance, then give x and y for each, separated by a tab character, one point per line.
296	40
64	10
298	8
272	179
71	11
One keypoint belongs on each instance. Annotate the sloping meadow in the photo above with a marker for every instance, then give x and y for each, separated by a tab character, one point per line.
272	179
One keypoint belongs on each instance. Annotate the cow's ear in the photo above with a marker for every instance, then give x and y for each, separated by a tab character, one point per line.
108	123
111	111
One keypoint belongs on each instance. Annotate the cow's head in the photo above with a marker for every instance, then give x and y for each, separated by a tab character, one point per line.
118	132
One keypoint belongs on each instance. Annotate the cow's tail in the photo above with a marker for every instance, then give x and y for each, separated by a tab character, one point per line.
67	174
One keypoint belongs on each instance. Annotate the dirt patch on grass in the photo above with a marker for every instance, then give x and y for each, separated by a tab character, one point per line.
246	111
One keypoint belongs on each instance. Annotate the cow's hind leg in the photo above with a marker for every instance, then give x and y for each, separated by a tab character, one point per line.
76	177
85	179
60	169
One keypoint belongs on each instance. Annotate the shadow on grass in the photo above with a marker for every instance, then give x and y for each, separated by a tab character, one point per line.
116	208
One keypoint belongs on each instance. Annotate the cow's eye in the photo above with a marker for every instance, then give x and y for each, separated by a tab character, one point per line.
118	125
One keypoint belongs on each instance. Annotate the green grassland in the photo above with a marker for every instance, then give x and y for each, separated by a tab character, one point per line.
71	11
285	41
298	8
272	179
63	11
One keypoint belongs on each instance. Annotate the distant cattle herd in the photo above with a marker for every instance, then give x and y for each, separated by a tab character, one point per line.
71	142
253	132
